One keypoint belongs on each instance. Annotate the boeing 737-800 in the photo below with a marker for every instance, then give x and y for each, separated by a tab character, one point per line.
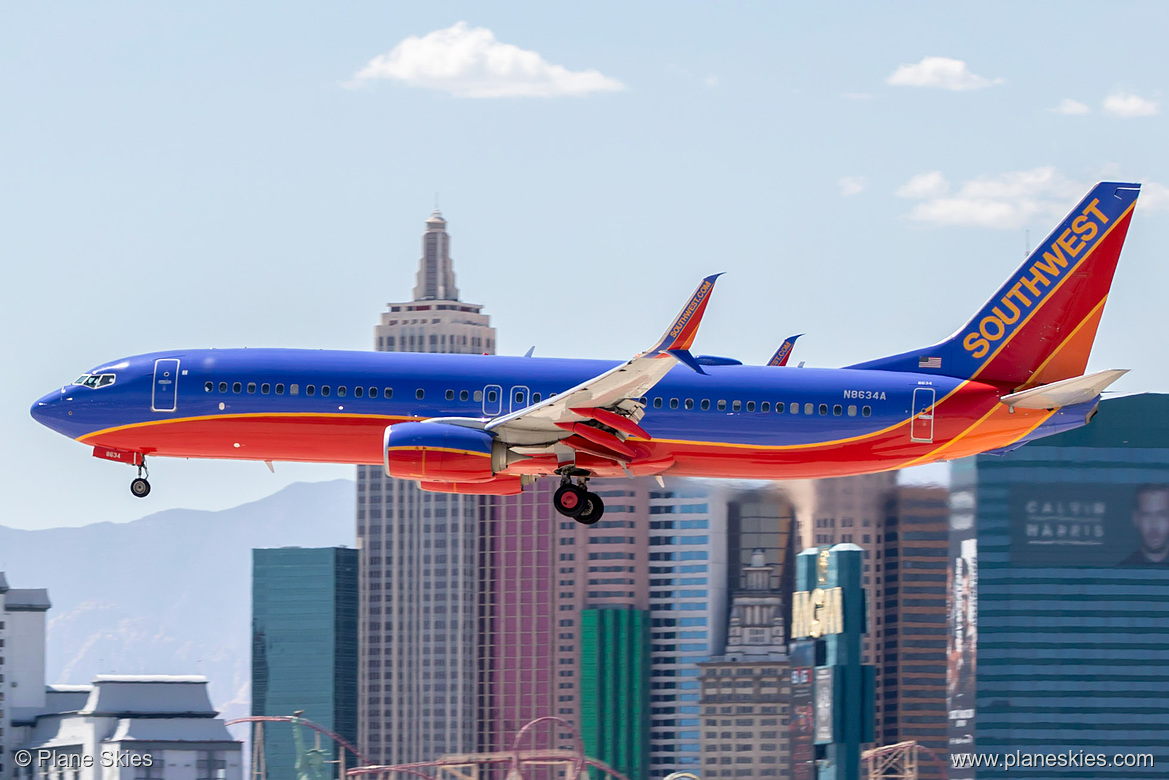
485	424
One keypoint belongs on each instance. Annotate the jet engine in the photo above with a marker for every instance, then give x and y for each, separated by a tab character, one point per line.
440	452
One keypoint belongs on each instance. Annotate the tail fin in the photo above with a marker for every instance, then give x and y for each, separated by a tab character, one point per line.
1040	325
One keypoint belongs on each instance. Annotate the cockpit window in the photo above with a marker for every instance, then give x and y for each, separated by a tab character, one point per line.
95	380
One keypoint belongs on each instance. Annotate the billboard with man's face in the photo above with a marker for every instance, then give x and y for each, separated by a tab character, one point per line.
1089	525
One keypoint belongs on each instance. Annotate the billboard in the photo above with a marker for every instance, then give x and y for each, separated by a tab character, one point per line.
962	641
1100	525
825	704
803	751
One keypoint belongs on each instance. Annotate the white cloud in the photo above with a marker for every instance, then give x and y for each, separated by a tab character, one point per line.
852	185
924	185
711	81
1129	105
1005	201
939	72
470	62
1154	197
1071	107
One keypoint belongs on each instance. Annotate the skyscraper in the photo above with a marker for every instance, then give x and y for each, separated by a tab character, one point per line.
304	644
1062	610
745	691
419	587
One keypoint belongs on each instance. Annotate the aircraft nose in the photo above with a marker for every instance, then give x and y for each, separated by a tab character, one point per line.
50	410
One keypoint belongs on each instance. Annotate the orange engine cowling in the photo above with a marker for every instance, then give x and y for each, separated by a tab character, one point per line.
439	452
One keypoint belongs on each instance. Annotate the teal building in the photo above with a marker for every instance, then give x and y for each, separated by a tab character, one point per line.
304	646
614	689
1061	646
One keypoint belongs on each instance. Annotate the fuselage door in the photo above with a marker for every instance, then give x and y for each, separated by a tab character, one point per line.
492	400
518	397
166	377
922	428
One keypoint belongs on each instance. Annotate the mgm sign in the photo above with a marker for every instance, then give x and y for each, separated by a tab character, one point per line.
828	624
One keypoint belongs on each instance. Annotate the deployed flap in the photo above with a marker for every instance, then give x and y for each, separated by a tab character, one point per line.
1065	392
632	379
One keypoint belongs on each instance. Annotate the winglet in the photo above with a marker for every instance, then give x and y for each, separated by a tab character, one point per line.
784	352
684	356
680	335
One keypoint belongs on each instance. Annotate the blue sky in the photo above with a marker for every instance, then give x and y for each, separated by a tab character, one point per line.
258	175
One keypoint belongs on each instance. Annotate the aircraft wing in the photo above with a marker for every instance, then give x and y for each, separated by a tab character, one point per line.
612	397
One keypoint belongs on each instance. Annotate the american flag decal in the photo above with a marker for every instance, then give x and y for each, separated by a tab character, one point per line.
929	362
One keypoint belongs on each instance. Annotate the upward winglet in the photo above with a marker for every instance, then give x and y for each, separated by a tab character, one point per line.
784	352
680	335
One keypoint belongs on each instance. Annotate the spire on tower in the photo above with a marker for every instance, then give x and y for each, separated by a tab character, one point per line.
436	277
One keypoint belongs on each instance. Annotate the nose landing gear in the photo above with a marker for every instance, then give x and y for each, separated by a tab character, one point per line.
140	487
574	500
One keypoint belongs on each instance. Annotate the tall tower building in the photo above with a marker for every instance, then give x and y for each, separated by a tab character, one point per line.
745	691
304	644
419	583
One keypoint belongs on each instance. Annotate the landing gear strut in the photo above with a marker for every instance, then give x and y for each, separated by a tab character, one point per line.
140	488
574	500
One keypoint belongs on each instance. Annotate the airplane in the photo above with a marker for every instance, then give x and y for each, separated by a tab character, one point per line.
488	424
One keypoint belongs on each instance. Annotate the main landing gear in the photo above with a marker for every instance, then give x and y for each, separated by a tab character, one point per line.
140	488
574	500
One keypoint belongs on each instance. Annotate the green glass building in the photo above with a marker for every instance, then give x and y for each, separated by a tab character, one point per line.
614	689
304	646
1063	645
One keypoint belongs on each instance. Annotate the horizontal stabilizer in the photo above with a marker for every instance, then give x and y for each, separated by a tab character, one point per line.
1065	392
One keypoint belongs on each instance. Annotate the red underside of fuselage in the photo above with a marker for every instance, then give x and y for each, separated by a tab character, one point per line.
358	440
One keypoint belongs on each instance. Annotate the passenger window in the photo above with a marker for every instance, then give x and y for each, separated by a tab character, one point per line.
223	387
823	408
866	411
750	406
657	403
809	408
450	395
464	395
293	389
209	386
519	397
341	391
689	403
265	388
280	389
373	392
388	392
838	410
310	389
852	410
722	406
251	387
736	406
795	408
673	403
477	396
779	407
325	390
237	387
705	404
420	394
358	391
492	396
765	406
536	398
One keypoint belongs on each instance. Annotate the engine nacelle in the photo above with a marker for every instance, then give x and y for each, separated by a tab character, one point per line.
438	452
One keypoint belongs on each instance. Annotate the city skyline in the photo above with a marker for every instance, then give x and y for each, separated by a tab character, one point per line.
198	177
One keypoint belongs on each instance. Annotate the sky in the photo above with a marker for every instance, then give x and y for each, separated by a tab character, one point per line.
227	175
